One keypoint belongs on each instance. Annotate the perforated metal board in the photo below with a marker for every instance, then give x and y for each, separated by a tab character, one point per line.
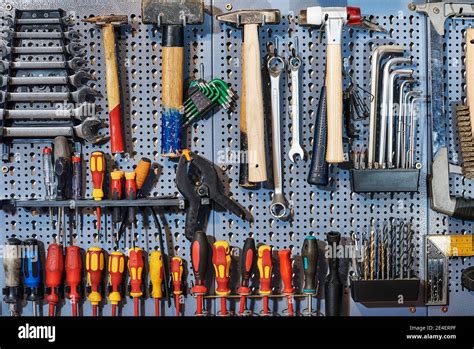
214	49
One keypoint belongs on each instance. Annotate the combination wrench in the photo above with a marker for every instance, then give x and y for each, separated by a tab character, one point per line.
296	151
278	207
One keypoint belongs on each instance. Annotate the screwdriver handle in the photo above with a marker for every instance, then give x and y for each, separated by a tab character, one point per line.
135	270
76	176
97	168
221	261
286	271
54	272
62	165
130	194
177	275
12	259
309	252
48	173
116	185
32	270
116	267
142	171
95	265
247	264
265	266
73	266
156	274
199	259
333	290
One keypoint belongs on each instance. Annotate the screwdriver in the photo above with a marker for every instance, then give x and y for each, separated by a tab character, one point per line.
12	266
76	184
73	265
95	273
286	273
116	184
116	268
199	259
48	175
156	279
131	194
54	275
142	171
177	277
221	261
333	287
265	265
97	167
247	264
135	270
309	252
62	170
32	273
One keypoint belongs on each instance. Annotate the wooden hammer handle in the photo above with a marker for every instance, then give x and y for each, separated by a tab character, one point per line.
470	74
334	152
112	86
251	71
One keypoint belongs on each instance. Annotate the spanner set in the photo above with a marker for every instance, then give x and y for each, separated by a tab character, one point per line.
37	93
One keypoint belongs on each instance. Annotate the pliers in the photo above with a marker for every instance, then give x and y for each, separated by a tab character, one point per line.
197	181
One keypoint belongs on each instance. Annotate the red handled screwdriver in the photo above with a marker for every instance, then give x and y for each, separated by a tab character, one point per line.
131	194
73	266
54	270
116	185
177	277
95	273
135	270
116	267
265	265
247	264
286	272
97	167
199	259
221	261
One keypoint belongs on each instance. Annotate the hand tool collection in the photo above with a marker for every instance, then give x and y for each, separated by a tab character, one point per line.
109	242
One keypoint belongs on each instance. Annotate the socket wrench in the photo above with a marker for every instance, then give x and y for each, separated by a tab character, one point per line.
278	207
77	80
296	151
75	64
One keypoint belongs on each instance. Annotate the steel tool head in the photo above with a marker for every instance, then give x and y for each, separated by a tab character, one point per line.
85	94
77	63
169	12
74	49
112	19
72	35
89	130
81	78
243	17
4	51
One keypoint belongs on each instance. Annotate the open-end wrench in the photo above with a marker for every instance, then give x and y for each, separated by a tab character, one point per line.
73	49
296	151
66	20
87	130
278	207
71	35
75	64
80	113
84	94
77	80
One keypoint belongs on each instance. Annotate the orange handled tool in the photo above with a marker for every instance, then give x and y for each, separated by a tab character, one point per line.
286	272
116	268
177	276
142	171
221	261
54	275
247	264
131	194
265	265
97	167
156	279
116	184
95	272
73	266
199	259
135	270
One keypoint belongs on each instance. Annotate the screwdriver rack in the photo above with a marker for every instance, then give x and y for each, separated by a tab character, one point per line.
213	51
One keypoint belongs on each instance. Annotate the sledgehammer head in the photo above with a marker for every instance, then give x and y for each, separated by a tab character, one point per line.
172	12
243	17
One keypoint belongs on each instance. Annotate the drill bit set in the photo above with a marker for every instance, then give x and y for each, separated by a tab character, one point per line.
45	92
388	164
383	258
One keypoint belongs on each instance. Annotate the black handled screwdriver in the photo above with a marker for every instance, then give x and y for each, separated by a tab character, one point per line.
199	259
333	288
12	265
247	264
309	252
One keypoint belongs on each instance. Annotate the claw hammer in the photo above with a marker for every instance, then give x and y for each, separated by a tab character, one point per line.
111	77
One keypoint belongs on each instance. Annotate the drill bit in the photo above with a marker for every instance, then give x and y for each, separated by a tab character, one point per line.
372	253
354	256
366	259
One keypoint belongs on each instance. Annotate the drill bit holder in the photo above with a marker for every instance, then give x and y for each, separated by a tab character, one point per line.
384	180
386	291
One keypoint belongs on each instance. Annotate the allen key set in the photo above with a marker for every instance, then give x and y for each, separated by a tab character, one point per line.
225	158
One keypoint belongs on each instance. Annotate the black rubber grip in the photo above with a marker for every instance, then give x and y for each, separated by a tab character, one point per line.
319	170
464	209
333	288
173	35
199	257
247	262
